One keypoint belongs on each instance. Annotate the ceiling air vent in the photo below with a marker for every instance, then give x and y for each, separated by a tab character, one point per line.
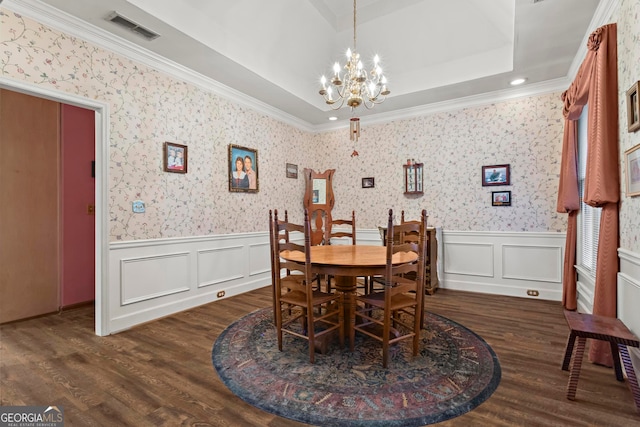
127	23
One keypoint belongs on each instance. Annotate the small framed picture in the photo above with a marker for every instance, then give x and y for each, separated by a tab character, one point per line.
243	169
501	198
368	182
632	170
633	108
292	171
496	175
175	157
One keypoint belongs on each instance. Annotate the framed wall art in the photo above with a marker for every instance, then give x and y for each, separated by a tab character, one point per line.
501	198
368	182
175	157
243	169
632	170
633	108
292	170
496	175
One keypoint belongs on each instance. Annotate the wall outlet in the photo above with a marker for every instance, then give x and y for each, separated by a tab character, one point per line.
532	292
220	294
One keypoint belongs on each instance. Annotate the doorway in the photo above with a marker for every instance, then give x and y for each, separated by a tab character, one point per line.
101	114
47	222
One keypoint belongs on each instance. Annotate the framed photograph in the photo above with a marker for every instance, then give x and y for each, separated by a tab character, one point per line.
292	171
632	170
243	169
368	182
496	175
633	108
501	198
175	157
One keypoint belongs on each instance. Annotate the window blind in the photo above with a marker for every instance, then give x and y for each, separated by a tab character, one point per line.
589	216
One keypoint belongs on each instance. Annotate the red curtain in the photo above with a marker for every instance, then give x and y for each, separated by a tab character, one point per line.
596	83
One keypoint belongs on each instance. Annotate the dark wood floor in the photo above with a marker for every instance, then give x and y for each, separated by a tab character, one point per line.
160	373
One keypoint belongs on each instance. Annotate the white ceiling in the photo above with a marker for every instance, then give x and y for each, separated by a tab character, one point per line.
431	50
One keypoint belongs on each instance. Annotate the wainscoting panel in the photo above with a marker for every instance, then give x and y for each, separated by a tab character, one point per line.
154	278
150	277
629	297
469	258
219	265
517	265
523	264
259	259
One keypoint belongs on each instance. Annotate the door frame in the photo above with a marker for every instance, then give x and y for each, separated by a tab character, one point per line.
101	109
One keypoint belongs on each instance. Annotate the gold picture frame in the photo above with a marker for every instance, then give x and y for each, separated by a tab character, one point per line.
633	108
632	171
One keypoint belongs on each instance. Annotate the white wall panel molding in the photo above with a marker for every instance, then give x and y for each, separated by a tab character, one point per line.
154	278
259	258
219	265
469	258
629	296
516	265
504	263
149	277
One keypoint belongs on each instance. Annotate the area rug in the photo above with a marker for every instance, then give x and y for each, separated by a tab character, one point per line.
454	372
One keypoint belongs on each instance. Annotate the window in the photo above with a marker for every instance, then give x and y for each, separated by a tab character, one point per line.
589	218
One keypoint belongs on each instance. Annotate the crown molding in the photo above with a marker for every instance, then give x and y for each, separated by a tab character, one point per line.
549	86
603	15
73	26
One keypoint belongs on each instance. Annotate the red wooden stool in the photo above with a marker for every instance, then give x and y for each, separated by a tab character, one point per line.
602	328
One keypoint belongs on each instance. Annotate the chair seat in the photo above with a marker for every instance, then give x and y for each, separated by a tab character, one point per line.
300	298
398	302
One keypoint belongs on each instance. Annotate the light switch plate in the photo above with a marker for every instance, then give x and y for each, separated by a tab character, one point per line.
137	206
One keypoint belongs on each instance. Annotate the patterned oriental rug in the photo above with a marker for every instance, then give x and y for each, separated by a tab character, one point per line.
454	372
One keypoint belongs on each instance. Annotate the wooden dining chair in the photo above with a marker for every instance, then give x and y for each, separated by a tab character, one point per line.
393	314
339	232
427	268
295	301
285	237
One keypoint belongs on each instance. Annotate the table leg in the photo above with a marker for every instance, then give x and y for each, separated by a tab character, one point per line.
631	375
347	285
574	374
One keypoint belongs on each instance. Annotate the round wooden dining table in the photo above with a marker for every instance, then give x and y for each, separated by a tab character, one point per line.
346	263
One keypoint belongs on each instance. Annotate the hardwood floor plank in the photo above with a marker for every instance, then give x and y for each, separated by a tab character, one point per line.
160	373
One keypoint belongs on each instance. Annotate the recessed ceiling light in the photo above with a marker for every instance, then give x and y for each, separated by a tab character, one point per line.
332	118
517	82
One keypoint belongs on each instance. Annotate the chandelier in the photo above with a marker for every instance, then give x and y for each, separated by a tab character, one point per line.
357	88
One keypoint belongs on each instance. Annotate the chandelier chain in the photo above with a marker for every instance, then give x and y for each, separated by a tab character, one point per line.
355	48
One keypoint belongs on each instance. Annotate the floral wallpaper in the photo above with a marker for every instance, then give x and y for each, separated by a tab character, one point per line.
453	146
628	19
149	107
